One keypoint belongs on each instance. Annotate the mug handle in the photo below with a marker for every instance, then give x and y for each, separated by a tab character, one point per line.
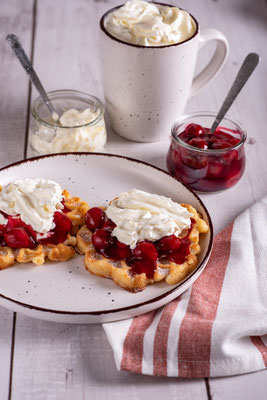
217	61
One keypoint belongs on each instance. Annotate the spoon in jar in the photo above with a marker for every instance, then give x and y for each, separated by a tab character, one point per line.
25	62
246	69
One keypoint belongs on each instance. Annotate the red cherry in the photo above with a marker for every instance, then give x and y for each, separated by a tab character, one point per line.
50	239
124	252
2	231
30	231
215	169
145	250
234	141
219	144
141	265
109	225
60	232
62	222
65	209
168	243
233	178
178	256
221	135
185	137
198	142
121	245
14	222
94	218
117	253
18	238
229	157
102	239
194	130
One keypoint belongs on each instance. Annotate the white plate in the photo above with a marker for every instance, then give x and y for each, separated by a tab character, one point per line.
66	292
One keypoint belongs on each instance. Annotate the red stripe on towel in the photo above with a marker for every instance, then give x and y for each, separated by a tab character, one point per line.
132	355
195	332
161	339
257	341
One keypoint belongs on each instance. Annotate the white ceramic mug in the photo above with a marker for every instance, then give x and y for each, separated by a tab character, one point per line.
146	88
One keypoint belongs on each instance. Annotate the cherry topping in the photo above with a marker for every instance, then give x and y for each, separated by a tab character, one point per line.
178	256
18	238
2	231
194	130
198	142
102	239
207	171
109	225
218	144
234	141
168	244
140	266
146	250
17	234
94	218
60	232
117	253
62	222
14	222
65	209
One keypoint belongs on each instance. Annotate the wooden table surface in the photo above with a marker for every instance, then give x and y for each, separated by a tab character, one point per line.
43	360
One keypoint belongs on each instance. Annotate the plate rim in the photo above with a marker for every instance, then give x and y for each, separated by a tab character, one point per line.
134	306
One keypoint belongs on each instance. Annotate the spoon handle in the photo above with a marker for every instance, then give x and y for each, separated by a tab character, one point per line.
248	66
25	62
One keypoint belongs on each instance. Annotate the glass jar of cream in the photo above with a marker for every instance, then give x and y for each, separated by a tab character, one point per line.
81	125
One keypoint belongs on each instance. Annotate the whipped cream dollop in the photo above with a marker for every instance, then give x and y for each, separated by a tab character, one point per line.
143	216
149	24
35	200
76	135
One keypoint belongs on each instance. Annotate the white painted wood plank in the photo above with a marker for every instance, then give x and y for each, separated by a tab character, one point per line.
76	362
15	16
6	322
249	386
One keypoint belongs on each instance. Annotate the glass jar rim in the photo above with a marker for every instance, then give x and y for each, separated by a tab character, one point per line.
64	92
212	114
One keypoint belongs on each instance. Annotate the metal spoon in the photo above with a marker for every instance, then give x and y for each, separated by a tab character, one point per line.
25	62
248	66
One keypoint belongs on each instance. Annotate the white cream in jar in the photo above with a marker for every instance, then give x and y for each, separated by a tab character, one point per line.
79	131
149	24
144	216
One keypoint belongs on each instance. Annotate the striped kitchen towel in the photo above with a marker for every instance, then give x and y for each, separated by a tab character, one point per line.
216	328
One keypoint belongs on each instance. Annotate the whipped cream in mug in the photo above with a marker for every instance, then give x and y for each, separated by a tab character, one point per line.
149	24
144	216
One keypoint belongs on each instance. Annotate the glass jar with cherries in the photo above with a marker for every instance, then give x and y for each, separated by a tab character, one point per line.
204	161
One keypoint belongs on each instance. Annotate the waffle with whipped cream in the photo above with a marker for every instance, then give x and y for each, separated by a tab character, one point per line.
32	212
141	239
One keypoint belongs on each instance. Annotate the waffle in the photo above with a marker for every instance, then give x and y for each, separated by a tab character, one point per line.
54	252
121	273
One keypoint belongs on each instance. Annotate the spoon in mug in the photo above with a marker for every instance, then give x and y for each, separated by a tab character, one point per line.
25	62
246	69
